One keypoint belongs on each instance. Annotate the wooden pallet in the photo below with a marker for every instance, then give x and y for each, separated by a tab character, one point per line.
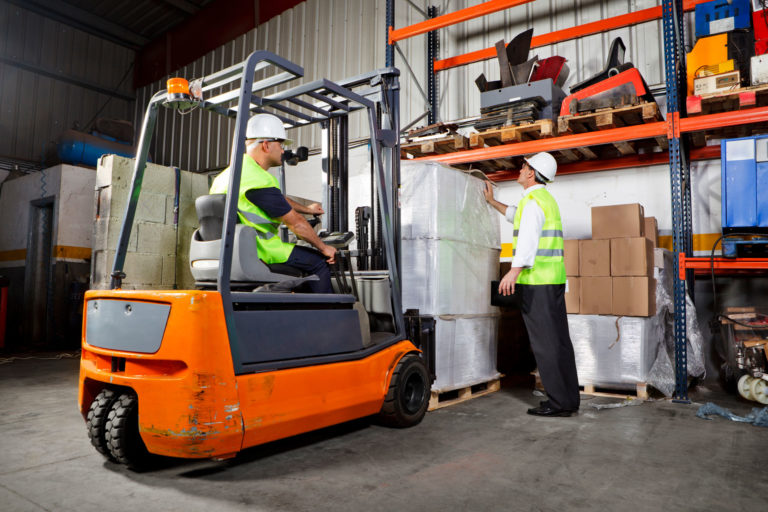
456	396
727	101
434	146
606	119
640	391
541	129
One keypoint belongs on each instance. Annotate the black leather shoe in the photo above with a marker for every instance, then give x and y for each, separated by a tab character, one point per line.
546	409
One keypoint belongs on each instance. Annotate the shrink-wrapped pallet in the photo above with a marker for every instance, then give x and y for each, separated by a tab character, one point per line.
450	254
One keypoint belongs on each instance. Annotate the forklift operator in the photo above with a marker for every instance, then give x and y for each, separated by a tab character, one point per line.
262	206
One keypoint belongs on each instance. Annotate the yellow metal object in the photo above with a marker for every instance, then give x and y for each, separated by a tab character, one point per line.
709	52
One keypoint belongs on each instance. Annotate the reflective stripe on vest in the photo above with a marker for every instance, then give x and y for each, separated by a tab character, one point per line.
271	248
548	265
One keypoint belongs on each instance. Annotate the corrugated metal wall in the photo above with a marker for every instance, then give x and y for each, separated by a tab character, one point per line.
337	39
41	62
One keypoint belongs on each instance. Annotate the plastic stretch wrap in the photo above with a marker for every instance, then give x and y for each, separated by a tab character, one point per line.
612	351
465	351
446	277
622	351
438	202
662	374
450	254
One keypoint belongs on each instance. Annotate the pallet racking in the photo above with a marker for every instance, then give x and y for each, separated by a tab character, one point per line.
676	128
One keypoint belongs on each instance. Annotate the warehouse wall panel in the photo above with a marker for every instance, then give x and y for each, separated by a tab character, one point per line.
44	66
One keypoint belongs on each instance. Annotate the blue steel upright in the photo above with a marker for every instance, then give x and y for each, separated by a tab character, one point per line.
679	175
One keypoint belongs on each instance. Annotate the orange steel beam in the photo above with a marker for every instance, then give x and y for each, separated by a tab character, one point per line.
595	27
721	264
452	18
611	164
643	131
626	133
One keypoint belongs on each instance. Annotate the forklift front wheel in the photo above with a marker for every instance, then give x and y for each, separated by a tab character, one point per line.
408	395
122	433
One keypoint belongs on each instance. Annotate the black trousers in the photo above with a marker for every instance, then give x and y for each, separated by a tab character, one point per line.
312	262
543	308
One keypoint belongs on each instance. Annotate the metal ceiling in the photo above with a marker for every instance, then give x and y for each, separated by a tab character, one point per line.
132	23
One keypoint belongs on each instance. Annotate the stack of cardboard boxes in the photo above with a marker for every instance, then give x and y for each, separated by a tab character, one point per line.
612	274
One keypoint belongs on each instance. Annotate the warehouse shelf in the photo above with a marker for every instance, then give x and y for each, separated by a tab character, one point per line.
678	154
705	266
558	36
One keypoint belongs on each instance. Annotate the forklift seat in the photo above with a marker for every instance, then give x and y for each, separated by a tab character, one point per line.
247	268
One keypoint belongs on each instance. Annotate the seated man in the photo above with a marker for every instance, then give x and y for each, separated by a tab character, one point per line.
262	206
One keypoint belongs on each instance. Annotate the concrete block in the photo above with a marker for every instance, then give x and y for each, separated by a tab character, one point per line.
159	179
143	270
156	238
151	208
101	263
169	271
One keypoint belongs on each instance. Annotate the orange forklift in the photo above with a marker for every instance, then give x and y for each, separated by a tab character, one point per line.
247	358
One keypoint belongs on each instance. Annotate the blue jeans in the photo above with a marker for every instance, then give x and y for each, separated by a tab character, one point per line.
312	262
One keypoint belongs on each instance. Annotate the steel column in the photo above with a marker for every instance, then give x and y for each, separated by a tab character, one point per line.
433	45
674	61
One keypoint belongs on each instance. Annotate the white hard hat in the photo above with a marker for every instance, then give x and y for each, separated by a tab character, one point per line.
544	164
266	126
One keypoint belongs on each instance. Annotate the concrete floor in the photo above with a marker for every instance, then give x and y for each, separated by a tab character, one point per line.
484	454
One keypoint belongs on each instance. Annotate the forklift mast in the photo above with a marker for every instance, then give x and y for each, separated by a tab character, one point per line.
374	94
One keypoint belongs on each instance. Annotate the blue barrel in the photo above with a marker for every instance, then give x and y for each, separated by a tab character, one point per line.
79	148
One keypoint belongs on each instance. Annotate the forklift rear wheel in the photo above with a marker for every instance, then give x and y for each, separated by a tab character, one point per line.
408	395
759	390
96	420
122	433
744	385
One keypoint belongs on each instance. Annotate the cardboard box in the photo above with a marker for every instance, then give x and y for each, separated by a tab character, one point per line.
634	296
572	294
631	257
596	293
571	256
594	258
652	231
617	221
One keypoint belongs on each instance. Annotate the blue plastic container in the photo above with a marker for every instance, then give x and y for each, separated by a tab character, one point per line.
720	16
744	179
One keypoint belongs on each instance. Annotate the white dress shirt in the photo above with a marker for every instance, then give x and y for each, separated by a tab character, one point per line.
531	223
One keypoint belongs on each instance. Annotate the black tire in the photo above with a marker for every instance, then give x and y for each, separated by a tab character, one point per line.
408	394
96	421
122	433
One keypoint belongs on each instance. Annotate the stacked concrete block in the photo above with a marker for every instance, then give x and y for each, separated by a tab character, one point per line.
158	251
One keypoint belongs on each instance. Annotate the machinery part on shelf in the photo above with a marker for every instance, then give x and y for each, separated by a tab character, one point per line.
521	73
122	433
622	95
552	67
759	390
613	66
519	46
504	65
96	421
408	394
744	386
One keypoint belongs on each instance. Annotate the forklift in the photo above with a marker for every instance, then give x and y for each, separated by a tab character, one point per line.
246	358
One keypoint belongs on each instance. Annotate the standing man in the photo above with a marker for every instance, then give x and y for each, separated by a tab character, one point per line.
262	206
538	276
